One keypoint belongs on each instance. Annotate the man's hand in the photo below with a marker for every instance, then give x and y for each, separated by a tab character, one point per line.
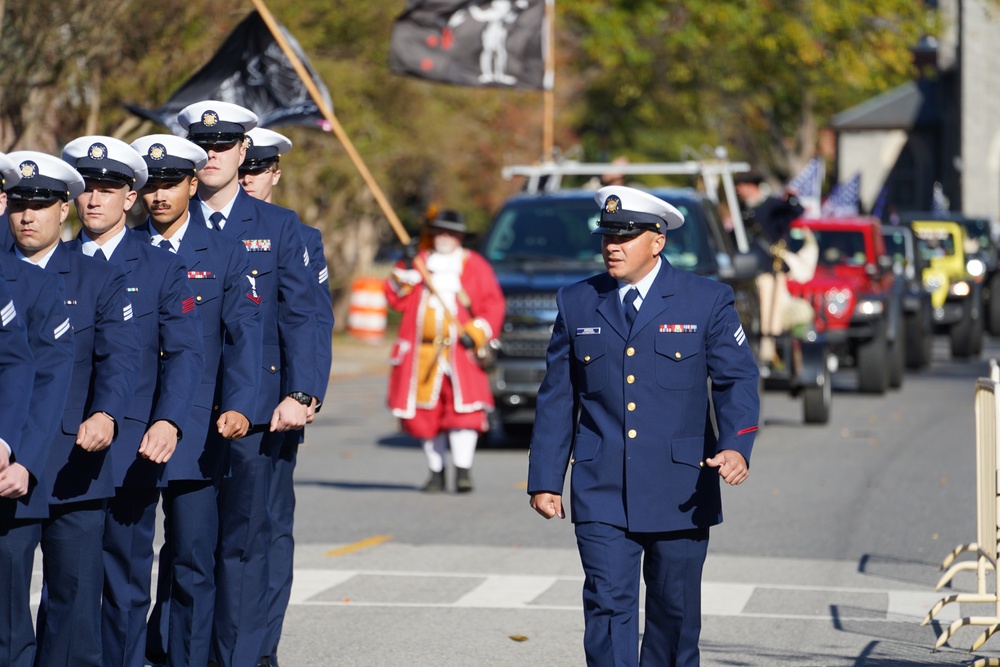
232	425
4	457
731	464
311	411
96	432
548	505
159	442
14	480
290	415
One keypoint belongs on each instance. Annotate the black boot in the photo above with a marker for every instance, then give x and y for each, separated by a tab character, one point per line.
435	483
463	482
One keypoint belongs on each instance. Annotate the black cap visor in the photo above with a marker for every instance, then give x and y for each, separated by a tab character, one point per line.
629	223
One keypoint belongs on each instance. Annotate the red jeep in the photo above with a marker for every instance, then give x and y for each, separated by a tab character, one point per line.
853	297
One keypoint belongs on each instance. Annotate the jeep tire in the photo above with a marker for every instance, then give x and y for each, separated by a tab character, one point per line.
872	362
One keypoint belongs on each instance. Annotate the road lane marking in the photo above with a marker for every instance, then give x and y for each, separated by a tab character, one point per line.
503	591
359	545
307	583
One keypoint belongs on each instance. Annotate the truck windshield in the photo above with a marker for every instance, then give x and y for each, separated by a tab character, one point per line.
559	230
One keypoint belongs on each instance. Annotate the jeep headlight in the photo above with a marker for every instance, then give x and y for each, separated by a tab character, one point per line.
869	307
975	267
837	301
960	288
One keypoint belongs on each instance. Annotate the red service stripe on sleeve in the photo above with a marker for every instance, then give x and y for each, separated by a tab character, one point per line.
187	305
746	430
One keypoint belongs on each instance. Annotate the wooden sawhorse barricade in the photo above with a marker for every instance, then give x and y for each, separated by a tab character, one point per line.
986	545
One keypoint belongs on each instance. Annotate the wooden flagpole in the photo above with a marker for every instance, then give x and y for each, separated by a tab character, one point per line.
338	130
548	95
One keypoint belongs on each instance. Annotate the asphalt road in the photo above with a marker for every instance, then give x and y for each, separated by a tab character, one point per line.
828	555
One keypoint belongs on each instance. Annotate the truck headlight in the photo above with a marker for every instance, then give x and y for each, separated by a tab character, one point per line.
869	307
960	288
975	267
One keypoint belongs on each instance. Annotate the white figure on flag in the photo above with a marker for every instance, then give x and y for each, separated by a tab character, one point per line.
496	16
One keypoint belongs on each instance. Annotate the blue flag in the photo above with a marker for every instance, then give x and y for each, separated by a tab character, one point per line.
844	199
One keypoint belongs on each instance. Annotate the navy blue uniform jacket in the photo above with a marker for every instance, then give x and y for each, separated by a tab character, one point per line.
217	270
644	426
171	353
106	342
17	372
282	286
40	300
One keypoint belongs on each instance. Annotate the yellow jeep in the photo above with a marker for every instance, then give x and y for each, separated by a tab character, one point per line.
955	284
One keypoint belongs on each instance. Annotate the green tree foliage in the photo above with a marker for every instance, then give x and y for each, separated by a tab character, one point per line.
760	76
638	77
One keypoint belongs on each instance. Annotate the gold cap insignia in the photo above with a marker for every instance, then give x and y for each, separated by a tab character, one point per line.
209	118
97	152
29	169
612	204
157	152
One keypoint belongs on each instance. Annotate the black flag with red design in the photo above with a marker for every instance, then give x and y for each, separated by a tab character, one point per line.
496	43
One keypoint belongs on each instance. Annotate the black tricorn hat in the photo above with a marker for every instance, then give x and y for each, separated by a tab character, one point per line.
753	176
452	221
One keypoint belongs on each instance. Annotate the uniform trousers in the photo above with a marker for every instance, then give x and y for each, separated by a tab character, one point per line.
671	566
69	615
282	508
18	540
241	570
129	529
180	625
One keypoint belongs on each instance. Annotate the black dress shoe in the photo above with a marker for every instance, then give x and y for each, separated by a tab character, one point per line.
265	661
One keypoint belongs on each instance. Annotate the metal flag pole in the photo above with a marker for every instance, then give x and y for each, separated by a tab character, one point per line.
338	130
548	82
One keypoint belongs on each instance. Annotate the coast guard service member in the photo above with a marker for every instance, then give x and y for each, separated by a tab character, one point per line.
282	286
625	403
31	302
171	354
180	632
106	342
259	174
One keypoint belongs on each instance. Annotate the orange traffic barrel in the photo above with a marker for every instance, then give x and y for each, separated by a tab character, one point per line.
366	315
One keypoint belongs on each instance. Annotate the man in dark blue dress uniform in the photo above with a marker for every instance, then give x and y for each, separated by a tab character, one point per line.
259	174
171	354
625	402
282	286
180	628
79	472
34	298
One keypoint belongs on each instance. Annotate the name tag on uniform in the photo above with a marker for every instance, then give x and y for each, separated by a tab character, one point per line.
257	245
678	328
131	289
195	275
70	302
588	331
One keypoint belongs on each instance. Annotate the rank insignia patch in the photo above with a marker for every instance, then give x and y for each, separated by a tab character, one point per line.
678	328
127	312
61	329
257	245
187	305
7	313
739	335
252	294
200	274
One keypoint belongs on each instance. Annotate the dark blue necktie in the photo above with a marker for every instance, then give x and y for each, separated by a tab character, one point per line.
100	255
166	245
629	304
217	219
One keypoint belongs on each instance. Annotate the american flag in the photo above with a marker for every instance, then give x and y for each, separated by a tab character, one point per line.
808	185
940	204
843	201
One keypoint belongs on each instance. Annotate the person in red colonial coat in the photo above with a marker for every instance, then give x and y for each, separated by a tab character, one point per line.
437	386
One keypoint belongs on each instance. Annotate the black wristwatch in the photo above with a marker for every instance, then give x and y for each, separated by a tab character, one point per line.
302	397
